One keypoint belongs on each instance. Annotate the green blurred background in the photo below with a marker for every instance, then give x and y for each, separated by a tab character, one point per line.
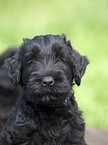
86	24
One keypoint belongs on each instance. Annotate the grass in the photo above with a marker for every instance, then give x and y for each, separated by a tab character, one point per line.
86	24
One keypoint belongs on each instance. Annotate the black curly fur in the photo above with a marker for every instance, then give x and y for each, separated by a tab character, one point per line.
8	93
40	116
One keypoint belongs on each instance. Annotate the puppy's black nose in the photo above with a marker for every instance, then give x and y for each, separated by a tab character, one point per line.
48	81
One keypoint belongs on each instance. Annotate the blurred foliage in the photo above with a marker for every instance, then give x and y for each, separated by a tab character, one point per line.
86	24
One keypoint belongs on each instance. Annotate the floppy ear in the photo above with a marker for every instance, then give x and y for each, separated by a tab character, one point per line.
79	64
13	66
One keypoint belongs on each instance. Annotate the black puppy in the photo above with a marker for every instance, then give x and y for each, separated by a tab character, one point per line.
46	113
8	93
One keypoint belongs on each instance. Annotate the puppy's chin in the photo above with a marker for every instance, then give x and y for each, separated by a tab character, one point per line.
51	101
47	99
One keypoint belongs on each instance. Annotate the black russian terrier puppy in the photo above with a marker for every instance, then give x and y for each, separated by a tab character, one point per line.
46	112
8	92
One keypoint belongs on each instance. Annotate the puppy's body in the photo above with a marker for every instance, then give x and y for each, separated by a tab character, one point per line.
46	113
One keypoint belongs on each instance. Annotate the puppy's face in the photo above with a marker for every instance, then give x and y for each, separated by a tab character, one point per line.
46	67
46	72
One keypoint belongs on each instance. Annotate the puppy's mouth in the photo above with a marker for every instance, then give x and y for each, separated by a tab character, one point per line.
50	100
53	100
48	96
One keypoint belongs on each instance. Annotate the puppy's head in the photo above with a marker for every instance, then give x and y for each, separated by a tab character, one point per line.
46	67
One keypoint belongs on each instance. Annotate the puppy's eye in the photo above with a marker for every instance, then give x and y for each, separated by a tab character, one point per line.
30	61
59	59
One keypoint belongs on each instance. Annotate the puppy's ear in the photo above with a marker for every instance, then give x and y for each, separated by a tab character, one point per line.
13	66
79	64
26	40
